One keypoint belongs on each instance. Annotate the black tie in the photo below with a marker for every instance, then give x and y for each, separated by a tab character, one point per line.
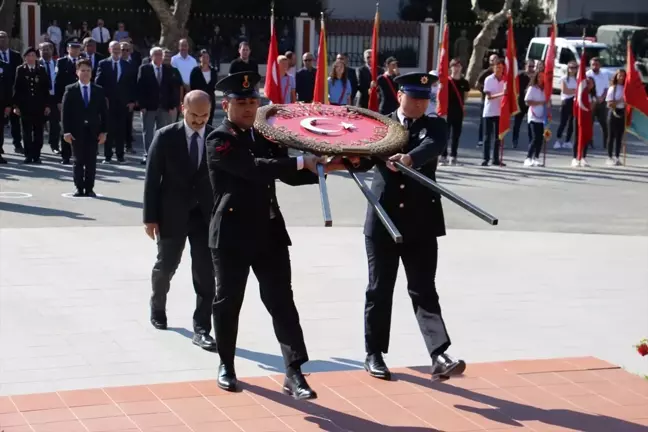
408	123
193	150
115	71
49	71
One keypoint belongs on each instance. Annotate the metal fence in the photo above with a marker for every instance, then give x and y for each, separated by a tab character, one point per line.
400	39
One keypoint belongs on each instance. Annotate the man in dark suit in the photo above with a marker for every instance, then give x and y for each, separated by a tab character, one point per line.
305	79
247	230
365	81
66	74
117	77
85	123
13	59
418	215
54	119
90	52
5	101
134	58
177	205
157	96
31	101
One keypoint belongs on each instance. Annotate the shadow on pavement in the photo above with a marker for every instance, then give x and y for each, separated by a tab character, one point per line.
41	211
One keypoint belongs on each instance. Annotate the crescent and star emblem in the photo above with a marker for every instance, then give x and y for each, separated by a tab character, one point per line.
311	125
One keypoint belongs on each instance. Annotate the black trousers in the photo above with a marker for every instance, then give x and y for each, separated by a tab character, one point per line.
492	128
566	119
537	140
115	140
601	116
84	150
54	120
32	131
15	129
168	259
128	125
616	122
66	150
420	262
585	145
517	124
480	132
271	266
455	125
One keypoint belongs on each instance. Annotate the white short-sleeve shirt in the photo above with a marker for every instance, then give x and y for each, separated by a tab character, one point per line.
493	107
571	83
536	113
601	80
615	93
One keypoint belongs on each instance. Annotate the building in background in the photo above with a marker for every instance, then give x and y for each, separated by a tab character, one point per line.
362	9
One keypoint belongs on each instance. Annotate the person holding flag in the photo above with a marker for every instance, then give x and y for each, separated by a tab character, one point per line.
636	99
388	88
509	102
458	89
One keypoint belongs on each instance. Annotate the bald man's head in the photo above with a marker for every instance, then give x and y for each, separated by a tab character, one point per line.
196	108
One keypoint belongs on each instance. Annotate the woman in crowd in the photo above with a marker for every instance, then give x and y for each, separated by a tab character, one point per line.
535	100
567	92
616	117
591	91
204	77
85	31
458	89
339	86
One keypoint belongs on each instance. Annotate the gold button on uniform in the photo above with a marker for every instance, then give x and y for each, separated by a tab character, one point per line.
231	209
401	205
402	186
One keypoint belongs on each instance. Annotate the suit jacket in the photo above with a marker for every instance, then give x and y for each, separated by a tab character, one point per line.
243	168
31	90
415	210
6	86
97	59
119	92
364	83
15	60
65	75
152	95
197	82
173	187
77	118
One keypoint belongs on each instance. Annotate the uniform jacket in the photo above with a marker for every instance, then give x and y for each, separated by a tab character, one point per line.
364	83
172	187
122	91
31	90
415	210
243	168
65	75
77	118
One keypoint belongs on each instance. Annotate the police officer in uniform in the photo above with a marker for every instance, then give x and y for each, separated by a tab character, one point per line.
417	213
247	230
66	74
31	103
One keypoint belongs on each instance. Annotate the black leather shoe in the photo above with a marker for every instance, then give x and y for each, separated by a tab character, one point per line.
91	194
78	193
227	378
445	366
375	365
295	385
204	341
159	320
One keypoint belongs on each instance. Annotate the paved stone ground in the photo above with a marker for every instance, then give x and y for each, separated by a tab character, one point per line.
563	275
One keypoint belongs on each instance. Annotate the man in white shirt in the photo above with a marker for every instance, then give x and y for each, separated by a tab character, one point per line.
601	83
184	63
494	90
55	35
102	36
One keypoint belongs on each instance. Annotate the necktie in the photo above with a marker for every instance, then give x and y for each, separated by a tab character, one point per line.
158	74
115	71
408	123
193	150
4	57
86	97
49	71
101	35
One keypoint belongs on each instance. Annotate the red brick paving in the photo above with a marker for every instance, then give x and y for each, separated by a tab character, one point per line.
584	394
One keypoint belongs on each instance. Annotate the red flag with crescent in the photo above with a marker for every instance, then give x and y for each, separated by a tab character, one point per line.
272	87
443	71
510	105
583	109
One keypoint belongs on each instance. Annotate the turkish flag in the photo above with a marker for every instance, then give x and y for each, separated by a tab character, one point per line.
583	109
509	105
443	71
272	87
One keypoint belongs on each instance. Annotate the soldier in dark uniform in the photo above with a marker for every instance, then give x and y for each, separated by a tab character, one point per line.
5	100
66	74
417	213
31	102
247	230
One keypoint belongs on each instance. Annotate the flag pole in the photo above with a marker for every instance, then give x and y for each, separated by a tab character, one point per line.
509	15
547	131
624	143
442	22
581	145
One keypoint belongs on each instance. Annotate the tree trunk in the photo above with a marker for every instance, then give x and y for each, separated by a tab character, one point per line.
172	20
484	38
7	11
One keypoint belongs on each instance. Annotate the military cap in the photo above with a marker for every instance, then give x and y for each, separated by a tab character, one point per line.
30	50
240	85
74	43
416	84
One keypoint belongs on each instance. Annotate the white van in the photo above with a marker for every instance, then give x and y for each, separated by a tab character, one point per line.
570	49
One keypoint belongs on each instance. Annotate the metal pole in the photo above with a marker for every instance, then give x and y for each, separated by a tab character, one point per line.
326	206
444	5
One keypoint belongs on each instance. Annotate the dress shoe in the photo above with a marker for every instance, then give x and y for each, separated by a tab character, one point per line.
19	149
56	151
375	365
37	162
78	193
91	194
27	160
295	385
227	378
445	366
159	320
204	341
